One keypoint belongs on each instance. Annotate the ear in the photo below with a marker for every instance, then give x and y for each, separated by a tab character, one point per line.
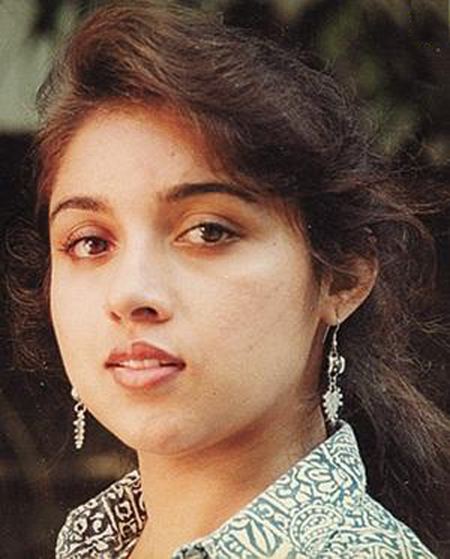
342	295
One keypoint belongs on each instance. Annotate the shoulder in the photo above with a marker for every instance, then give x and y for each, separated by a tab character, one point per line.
370	531
106	524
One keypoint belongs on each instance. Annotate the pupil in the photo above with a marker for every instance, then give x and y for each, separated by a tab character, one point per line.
95	245
211	232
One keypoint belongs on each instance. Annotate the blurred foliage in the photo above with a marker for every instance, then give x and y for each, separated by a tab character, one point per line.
394	54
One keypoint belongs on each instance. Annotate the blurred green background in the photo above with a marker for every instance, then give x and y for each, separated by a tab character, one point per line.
394	54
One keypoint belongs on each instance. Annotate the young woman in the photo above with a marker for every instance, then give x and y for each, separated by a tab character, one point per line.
232	277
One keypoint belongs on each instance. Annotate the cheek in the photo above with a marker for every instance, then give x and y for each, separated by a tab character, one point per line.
249	311
257	314
59	301
252	339
73	309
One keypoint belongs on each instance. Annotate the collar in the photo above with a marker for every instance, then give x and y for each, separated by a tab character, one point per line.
299	511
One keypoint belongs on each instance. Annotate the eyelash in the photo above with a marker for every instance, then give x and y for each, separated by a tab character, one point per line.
223	230
69	246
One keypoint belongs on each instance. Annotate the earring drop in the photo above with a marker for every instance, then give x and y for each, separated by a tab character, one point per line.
79	423
333	398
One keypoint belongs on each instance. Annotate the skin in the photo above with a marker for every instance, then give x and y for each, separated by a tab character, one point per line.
244	311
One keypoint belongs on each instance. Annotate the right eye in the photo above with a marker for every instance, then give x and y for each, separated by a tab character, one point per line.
86	247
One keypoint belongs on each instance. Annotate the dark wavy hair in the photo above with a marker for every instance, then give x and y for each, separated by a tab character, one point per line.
284	131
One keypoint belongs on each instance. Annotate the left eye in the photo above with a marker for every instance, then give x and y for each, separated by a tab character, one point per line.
209	233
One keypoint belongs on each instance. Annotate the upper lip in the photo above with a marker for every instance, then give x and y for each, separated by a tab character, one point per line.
138	351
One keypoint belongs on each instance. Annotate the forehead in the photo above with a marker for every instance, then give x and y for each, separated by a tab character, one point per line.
159	141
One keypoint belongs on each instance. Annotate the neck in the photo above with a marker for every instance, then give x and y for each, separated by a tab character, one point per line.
189	496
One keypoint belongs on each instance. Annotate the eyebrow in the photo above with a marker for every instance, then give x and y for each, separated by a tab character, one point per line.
79	203
174	194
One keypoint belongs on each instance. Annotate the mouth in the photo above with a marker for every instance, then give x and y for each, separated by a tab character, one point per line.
143	366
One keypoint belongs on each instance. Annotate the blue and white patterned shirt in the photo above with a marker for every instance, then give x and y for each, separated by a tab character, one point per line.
318	509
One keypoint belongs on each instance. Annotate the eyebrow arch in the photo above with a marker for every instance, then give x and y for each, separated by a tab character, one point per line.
174	194
79	203
187	190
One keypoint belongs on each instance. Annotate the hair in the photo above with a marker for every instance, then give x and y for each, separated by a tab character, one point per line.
285	131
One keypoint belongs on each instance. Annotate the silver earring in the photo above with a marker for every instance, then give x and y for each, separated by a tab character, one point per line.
333	398
79	423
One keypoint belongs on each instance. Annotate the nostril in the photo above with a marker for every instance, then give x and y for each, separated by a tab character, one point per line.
144	312
115	316
131	310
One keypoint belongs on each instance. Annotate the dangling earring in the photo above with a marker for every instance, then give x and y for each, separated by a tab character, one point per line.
79	423
333	398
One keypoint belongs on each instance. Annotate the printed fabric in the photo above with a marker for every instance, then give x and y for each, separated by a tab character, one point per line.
318	509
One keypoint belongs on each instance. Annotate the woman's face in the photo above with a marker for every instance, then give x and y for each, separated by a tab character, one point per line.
150	245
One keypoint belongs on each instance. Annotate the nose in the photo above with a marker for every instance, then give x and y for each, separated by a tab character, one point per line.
138	291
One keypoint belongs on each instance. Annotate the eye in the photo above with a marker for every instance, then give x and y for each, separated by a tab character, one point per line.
208	233
86	247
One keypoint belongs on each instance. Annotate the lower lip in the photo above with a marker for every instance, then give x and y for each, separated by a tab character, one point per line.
145	378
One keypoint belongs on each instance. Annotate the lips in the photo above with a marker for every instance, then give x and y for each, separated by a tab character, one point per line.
142	365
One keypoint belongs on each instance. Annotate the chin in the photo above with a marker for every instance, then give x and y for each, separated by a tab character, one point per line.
165	438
